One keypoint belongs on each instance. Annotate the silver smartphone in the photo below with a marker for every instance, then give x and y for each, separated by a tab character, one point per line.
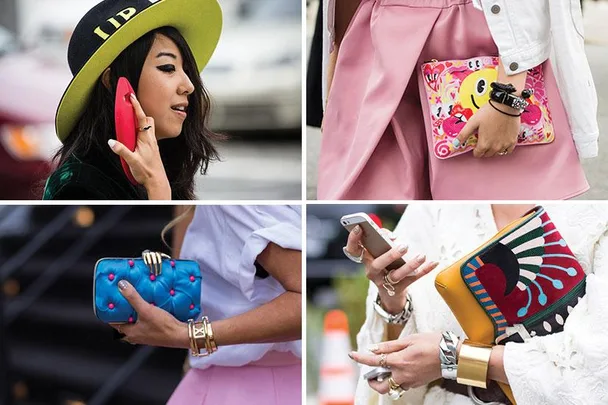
377	373
373	240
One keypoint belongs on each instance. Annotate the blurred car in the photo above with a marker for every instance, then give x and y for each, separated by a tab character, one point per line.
32	84
255	75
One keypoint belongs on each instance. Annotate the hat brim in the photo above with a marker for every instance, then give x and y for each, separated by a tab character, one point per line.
199	22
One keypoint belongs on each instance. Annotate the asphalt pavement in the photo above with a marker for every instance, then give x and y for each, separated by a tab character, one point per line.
596	169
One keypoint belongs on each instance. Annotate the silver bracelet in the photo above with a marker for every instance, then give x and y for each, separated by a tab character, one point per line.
447	355
398	319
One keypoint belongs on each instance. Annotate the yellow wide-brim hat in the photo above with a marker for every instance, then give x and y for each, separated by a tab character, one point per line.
112	25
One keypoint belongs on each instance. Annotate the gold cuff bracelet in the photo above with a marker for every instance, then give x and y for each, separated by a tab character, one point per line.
473	361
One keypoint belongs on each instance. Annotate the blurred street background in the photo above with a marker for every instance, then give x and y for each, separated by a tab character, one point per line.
333	281
595	14
254	78
53	350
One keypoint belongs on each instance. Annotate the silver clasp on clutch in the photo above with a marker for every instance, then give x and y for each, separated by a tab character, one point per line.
154	260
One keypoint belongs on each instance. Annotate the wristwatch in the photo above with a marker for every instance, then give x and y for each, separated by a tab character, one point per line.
398	319
447	355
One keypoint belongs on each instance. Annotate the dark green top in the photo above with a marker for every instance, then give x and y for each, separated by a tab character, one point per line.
96	179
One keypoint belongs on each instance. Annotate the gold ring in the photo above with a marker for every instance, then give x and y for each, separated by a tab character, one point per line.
388	279
382	361
394	390
144	128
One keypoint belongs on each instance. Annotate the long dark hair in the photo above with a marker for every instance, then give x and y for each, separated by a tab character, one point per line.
182	156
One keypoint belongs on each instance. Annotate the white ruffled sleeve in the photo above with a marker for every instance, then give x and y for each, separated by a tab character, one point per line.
570	367
246	233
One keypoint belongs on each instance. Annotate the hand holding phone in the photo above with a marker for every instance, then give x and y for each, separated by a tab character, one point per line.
376	373
125	122
373	239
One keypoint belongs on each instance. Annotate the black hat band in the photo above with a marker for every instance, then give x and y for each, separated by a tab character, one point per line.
125	15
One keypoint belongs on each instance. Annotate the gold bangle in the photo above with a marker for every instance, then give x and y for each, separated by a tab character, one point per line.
200	337
193	347
210	338
473	361
208	335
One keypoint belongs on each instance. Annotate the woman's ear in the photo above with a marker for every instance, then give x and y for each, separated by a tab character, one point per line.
105	78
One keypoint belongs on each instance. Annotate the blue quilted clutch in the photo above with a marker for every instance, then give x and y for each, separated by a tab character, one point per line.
173	285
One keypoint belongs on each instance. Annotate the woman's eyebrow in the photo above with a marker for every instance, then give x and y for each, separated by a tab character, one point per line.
166	54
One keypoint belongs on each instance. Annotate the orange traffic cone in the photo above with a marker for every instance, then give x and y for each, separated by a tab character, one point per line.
338	374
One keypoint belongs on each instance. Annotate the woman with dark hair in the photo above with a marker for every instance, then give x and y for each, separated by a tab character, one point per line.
161	48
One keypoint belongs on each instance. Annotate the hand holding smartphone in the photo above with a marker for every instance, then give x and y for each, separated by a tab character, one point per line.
125	122
373	240
376	373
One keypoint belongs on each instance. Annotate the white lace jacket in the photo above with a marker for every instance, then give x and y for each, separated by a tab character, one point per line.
570	367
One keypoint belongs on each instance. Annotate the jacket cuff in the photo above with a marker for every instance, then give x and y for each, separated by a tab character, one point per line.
589	149
528	58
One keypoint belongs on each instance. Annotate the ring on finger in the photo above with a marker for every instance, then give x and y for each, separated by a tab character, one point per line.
352	258
390	290
382	360
395	391
389	280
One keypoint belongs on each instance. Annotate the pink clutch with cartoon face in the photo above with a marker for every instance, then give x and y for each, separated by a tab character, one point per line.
456	89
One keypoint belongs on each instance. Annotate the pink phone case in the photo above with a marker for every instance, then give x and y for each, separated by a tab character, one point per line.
125	121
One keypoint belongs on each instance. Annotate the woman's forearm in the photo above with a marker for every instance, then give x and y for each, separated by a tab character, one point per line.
496	368
279	320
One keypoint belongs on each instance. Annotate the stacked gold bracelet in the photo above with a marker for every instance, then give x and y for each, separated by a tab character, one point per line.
201	337
473	361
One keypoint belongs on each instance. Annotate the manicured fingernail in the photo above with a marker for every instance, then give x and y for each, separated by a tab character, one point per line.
356	230
420	258
132	96
402	248
111	142
122	284
373	348
351	355
433	264
456	143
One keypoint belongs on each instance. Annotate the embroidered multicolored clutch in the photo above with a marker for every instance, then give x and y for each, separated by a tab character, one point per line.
456	89
522	283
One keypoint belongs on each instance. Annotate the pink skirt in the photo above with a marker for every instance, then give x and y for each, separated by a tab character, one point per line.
376	131
276	379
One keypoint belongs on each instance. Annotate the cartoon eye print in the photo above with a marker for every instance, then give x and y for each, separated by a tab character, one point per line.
436	110
474	64
481	86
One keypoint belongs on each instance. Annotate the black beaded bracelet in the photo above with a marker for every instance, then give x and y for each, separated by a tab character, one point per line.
504	112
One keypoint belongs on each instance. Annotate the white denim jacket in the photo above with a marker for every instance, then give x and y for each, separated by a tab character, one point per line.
527	33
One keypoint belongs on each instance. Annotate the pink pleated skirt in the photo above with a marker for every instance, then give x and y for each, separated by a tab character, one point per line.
376	130
276	379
